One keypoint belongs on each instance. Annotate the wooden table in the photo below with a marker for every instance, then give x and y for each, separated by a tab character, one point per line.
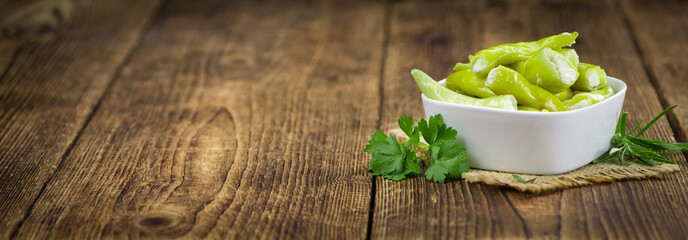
244	119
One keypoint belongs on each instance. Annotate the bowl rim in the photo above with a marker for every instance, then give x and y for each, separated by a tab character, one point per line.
618	93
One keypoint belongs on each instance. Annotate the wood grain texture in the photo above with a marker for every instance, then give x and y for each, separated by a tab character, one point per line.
48	90
232	120
661	31
245	119
8	52
446	32
34	20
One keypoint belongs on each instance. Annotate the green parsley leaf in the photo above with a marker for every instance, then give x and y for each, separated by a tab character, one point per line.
395	161
406	125
411	166
450	160
388	154
391	159
435	130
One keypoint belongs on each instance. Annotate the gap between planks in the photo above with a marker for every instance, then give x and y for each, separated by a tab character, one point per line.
385	45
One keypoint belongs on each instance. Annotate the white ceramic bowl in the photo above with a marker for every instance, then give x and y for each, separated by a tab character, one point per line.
533	142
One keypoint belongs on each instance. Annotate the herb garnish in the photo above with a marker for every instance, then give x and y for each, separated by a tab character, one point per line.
520	179
395	160
649	151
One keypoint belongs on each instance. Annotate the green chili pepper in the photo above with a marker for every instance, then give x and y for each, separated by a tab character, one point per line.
550	70
434	90
528	109
591	78
467	82
503	80
519	66
584	99
564	95
569	54
487	59
461	66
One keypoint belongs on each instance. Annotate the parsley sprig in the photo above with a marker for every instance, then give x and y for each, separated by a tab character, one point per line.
627	146
395	160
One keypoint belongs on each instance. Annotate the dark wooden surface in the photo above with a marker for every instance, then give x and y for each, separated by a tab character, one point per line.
245	119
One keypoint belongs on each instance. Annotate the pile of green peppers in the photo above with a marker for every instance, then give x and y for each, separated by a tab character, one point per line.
543	76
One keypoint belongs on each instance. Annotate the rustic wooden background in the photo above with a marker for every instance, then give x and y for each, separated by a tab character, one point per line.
247	119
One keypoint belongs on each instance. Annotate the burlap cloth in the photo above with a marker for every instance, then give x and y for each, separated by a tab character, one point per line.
605	172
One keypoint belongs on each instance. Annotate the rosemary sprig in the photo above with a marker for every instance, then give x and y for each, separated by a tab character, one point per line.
626	146
520	179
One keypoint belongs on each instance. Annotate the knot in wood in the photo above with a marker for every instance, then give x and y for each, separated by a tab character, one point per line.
158	220
155	222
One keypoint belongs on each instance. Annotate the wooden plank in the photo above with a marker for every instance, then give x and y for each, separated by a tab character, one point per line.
446	32
661	31
48	90
8	52
433	40
231	120
34	20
